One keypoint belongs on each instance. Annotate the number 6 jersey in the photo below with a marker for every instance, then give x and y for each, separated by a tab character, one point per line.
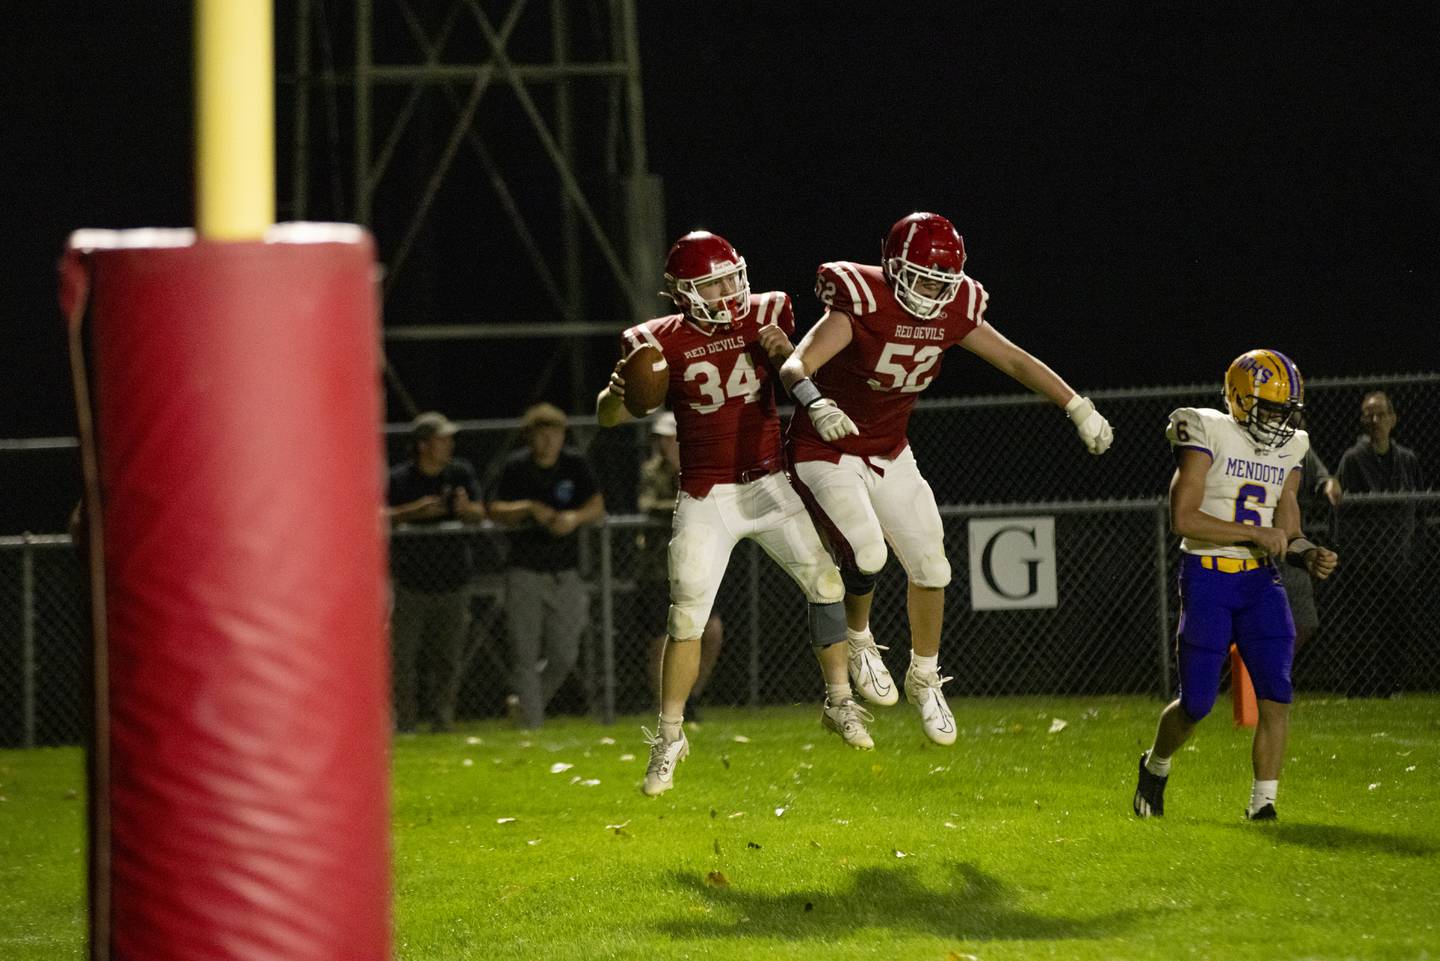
1244	482
722	391
890	359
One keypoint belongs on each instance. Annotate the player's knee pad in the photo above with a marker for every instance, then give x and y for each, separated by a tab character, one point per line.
827	624
686	622
870	558
689	608
1273	686
933	569
1197	703
824	585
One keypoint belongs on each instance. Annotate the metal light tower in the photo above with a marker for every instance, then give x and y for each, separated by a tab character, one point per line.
538	64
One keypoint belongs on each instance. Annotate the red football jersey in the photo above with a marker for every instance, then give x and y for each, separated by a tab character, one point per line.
722	390
890	359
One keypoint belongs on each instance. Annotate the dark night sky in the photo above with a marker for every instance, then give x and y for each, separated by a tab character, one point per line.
1146	190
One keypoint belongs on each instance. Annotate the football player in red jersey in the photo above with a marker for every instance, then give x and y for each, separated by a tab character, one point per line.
857	374
721	349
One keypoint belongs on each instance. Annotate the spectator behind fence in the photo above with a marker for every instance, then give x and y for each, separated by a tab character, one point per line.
431	574
1379	540
1317	493
659	491
543	495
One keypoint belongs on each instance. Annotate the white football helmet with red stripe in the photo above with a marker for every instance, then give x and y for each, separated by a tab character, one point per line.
707	279
924	262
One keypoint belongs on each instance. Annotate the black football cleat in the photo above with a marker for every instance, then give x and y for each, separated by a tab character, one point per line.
1266	813
1149	792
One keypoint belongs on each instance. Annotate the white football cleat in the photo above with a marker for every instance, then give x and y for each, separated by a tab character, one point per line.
868	672
664	755
923	690
847	719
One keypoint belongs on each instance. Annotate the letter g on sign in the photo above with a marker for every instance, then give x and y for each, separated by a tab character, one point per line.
1012	563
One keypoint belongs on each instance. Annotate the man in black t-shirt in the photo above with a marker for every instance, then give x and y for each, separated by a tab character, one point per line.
543	495
1380	541
431	574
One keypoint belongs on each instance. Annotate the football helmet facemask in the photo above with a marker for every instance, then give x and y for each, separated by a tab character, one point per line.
924	248
1266	395
707	279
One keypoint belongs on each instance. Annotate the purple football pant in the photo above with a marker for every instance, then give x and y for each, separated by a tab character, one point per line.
1247	609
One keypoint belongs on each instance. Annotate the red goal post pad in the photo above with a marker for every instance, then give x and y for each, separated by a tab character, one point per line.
230	410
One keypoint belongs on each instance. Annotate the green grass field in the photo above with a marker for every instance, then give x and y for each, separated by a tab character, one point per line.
779	843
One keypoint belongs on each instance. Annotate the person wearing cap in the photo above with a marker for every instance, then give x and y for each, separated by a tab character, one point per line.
543	495
431	573
658	491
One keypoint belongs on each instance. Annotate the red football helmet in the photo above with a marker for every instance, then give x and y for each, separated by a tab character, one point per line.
706	278
924	248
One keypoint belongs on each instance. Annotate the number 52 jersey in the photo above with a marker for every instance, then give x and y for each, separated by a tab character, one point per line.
890	359
1244	482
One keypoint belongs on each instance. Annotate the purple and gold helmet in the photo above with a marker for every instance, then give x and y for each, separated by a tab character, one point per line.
1265	394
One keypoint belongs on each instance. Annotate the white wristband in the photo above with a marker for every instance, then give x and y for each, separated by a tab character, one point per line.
805	392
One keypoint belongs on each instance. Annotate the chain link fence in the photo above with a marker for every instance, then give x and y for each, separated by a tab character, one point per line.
1110	629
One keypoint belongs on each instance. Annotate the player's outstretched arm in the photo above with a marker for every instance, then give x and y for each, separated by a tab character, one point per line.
1187	493
994	348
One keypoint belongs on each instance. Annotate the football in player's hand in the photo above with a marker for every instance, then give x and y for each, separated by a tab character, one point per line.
647	379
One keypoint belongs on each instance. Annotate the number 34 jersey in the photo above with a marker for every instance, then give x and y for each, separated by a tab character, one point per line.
1244	482
722	391
890	359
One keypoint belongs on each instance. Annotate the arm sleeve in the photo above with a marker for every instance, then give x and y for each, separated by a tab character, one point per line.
1187	431
1349	475
839	287
1316	474
977	298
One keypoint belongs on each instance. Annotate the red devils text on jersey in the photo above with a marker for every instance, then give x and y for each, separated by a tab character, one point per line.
890	359
722	390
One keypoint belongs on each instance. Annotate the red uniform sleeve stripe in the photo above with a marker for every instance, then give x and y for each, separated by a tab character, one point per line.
650	339
976	301
770	307
847	281
855	283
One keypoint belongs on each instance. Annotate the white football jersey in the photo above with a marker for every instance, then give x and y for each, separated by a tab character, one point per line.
1244	481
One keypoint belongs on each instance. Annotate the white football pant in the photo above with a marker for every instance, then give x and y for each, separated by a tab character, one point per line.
706	530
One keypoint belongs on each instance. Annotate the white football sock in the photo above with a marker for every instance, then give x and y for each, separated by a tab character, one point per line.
835	693
1263	793
670	727
1156	765
924	665
854	636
